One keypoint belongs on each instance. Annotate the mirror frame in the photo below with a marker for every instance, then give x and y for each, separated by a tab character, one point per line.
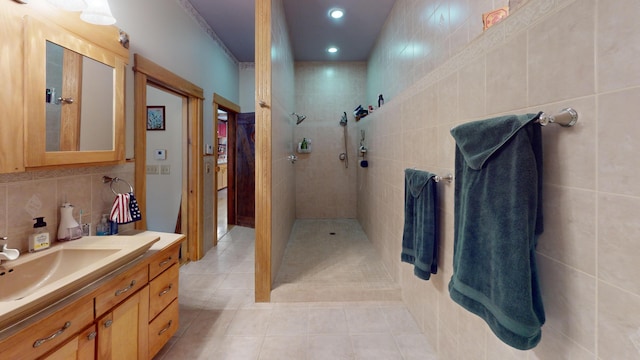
37	34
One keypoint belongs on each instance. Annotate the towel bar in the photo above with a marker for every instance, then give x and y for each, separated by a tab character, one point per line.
448	178
567	117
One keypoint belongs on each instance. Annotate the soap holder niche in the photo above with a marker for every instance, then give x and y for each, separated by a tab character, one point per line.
304	146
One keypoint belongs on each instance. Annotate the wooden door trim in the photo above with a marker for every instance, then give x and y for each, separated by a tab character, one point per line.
148	72
263	152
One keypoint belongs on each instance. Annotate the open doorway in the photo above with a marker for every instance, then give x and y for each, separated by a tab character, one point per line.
191	203
225	128
164	158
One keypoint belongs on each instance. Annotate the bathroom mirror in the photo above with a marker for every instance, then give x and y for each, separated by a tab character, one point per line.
74	100
78	102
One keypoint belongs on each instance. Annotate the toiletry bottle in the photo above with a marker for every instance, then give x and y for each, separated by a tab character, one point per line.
40	239
69	228
103	227
304	144
380	100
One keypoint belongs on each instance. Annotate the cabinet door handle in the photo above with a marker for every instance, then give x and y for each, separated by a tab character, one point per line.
108	323
164	262
52	336
124	290
166	290
165	328
92	335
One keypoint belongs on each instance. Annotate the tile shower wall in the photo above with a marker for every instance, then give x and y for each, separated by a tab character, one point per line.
325	188
283	173
24	196
547	55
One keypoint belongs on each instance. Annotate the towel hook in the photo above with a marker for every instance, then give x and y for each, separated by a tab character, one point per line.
448	178
107	179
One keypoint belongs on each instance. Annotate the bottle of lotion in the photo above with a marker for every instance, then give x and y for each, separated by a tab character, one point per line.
40	238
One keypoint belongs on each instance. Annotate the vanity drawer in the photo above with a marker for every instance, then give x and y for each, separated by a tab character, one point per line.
119	289
162	290
162	328
163	261
42	336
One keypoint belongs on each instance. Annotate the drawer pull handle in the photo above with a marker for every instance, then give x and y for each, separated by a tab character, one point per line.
166	290
124	290
164	262
108	323
166	328
92	335
52	336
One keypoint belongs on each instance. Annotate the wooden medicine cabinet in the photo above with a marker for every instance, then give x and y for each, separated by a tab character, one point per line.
74	98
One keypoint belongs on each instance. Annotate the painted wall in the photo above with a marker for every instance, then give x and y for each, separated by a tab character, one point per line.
164	32
546	56
164	191
283	172
247	80
325	188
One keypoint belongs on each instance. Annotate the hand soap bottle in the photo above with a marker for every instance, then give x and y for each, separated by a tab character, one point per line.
69	228
40	239
103	227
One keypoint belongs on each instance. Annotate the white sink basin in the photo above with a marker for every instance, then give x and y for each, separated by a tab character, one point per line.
36	279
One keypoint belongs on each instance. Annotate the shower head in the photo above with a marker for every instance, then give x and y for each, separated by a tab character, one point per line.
299	118
343	120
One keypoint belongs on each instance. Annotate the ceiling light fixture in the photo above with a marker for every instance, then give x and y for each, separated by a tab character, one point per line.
69	5
332	49
98	12
93	11
336	13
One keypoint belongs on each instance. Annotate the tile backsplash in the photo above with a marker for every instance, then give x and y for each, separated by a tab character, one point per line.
24	196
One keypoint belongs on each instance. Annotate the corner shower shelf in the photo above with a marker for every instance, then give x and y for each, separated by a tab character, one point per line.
304	151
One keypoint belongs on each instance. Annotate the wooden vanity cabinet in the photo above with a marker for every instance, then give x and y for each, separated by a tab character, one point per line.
122	332
131	315
48	333
163	299
80	347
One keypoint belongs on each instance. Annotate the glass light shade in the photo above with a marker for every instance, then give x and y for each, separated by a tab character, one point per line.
336	13
98	12
69	5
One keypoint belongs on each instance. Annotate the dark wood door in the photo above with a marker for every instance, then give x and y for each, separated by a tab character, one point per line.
245	170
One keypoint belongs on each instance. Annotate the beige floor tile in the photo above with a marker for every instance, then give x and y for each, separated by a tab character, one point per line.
339	303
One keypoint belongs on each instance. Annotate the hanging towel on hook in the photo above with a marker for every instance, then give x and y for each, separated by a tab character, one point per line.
125	209
497	221
420	234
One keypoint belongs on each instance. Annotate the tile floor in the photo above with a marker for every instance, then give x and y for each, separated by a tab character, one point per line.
219	319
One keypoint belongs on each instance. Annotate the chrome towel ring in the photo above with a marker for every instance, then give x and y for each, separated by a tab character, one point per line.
114	180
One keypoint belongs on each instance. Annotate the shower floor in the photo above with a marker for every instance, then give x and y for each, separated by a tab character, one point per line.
332	260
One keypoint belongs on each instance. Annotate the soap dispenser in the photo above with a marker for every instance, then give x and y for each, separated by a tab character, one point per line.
103	227
69	228
40	239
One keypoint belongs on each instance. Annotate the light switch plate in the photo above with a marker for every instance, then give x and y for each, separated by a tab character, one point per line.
209	149
153	169
160	154
165	169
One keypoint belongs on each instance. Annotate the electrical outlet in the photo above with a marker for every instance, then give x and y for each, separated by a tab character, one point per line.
153	169
165	169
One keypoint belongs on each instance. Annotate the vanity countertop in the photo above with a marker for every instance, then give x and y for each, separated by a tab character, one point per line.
165	241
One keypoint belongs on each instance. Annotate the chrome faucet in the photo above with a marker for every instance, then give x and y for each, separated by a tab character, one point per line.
6	253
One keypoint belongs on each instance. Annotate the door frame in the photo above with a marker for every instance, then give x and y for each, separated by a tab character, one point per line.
232	110
146	72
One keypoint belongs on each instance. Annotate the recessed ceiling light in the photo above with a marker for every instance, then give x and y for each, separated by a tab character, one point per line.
332	49
336	13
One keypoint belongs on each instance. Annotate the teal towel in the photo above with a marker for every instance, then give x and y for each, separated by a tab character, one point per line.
497	220
420	235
